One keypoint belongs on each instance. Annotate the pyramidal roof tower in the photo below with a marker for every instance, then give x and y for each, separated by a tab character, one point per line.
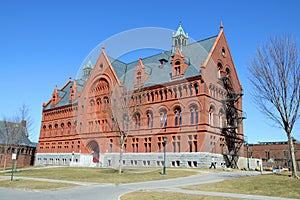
179	39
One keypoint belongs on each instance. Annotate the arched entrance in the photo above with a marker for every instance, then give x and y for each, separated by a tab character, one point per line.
94	149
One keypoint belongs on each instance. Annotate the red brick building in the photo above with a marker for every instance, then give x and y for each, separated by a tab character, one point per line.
274	153
190	94
14	140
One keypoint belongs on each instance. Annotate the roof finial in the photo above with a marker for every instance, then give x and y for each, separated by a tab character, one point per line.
103	47
221	25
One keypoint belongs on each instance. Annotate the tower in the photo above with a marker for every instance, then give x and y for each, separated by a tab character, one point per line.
179	39
87	70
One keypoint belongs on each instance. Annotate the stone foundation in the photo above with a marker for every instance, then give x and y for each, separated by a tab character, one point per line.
185	160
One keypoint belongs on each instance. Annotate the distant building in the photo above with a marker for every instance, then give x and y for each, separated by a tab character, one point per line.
274	153
14	139
191	94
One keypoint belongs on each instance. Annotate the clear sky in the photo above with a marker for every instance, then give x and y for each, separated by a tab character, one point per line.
43	43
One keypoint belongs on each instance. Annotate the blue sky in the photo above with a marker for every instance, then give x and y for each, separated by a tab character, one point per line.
43	43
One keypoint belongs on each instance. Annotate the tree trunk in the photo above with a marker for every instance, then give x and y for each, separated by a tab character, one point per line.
5	161
121	153
292	153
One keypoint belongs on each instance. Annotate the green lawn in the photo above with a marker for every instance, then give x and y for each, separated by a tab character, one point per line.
104	175
33	185
279	185
167	196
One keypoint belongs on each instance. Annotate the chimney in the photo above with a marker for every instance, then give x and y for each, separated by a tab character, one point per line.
24	123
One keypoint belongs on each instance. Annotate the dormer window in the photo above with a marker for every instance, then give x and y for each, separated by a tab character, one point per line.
178	65
139	77
177	68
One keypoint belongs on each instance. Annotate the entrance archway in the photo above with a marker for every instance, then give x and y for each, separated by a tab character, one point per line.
94	149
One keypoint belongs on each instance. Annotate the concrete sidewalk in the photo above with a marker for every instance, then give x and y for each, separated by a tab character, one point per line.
95	191
220	194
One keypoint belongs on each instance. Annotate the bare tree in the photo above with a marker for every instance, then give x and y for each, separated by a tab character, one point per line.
14	130
11	132
24	115
275	76
121	111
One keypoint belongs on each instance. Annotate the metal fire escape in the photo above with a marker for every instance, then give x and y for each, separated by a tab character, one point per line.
233	139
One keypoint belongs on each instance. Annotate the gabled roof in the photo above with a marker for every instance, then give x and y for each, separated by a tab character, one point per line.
19	138
194	53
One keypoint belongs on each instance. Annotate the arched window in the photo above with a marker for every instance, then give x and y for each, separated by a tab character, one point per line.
211	115
220	67
106	100
221	118
125	122
50	129
62	125
194	114
55	129
98	101
196	88
177	68
162	117
177	116
139	77
44	130
227	70
149	119
137	121
69	128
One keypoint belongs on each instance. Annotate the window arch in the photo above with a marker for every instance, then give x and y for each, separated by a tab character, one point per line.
125	122
44	130
69	127
55	129
196	88
177	116
221	118
136	121
177	62
98	101
211	115
149	119
94	149
194	114
50	129
139	77
227	70
163	117
106	100
177	68
220	67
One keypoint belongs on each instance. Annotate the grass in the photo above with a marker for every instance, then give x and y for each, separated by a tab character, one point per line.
279	185
103	175
167	196
33	185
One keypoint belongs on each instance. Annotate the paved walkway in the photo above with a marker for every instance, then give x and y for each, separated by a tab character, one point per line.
95	191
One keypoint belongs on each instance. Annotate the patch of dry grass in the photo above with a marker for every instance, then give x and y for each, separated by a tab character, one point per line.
33	185
104	175
168	196
279	185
